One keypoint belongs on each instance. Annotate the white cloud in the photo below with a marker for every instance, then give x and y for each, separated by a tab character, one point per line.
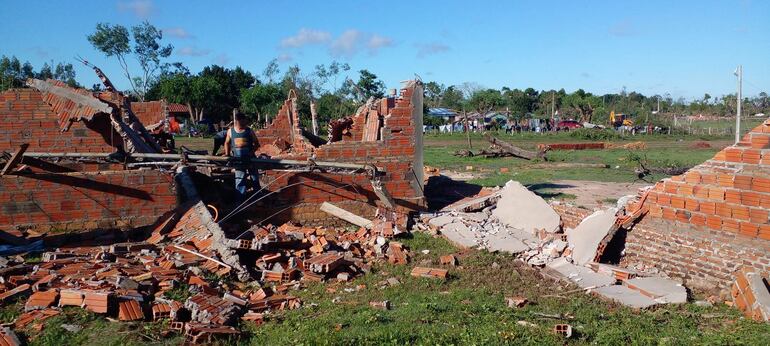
192	51
376	42
305	37
140	8
177	32
347	44
284	58
352	41
425	49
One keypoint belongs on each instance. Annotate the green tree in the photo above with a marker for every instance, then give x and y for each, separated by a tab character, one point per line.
582	104
367	86
114	41
262	100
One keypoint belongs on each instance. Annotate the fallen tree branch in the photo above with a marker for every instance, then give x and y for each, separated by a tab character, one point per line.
514	150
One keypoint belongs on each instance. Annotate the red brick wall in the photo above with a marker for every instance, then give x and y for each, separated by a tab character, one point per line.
84	200
26	118
704	224
151	112
395	154
704	258
75	201
570	215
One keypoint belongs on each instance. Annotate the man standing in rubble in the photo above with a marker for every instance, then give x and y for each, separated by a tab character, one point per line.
241	143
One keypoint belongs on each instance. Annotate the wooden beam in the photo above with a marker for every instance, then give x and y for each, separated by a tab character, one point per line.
15	159
346	215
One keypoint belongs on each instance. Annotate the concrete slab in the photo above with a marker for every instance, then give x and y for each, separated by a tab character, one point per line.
581	276
523	209
662	290
625	296
441	221
505	242
585	238
460	234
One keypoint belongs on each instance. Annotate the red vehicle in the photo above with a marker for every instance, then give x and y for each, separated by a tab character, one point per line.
566	125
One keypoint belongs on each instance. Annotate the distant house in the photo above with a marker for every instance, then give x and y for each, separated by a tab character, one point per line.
498	118
447	115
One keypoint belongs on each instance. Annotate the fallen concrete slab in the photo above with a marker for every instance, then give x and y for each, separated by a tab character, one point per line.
662	290
625	296
587	236
581	276
505	242
441	221
460	234
521	208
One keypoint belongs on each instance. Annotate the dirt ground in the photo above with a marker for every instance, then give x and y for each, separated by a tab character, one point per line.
591	194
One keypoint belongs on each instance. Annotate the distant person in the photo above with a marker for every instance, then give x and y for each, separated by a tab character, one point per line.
241	143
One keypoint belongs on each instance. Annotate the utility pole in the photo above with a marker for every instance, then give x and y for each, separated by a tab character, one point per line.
739	100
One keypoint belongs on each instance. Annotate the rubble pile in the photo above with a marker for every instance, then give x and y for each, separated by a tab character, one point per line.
192	274
515	220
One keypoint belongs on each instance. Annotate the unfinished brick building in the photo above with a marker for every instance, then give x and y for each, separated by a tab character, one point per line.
711	221
71	195
386	133
75	195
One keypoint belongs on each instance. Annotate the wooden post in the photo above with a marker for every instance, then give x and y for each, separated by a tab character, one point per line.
314	117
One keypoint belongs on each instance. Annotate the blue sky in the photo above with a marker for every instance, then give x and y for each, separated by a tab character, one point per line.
685	48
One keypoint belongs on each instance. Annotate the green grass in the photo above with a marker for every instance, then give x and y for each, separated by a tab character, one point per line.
439	153
469	308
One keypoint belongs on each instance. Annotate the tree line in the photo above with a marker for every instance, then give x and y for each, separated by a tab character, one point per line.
14	73
581	105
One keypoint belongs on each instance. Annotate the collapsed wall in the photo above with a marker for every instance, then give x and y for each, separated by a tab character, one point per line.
386	133
707	223
71	196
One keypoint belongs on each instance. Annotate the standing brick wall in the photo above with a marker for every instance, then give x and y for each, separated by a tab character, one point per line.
150	112
570	215
706	223
84	200
26	118
395	153
703	258
95	196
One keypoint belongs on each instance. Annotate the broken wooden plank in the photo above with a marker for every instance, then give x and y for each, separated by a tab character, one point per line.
15	159
346	215
514	150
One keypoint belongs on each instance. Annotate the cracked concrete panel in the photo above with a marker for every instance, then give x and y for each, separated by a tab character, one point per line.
523	209
625	296
585	238
460	234
660	289
581	276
